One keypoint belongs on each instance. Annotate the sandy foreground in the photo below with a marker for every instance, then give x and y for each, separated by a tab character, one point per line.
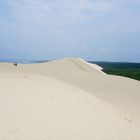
67	99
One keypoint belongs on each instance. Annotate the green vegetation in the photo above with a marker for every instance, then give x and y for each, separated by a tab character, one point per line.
131	70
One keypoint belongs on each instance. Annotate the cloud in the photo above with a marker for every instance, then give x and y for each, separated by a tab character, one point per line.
84	48
54	11
125	25
124	51
96	5
43	14
103	50
83	4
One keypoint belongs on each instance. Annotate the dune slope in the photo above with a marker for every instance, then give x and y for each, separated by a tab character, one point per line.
121	92
66	99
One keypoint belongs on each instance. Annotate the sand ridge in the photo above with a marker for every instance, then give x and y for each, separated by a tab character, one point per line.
66	99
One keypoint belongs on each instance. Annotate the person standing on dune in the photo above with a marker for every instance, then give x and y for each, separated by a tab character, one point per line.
15	64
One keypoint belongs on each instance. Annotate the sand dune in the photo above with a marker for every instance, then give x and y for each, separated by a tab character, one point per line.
67	99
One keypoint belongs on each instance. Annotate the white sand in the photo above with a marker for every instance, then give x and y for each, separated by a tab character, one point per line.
68	100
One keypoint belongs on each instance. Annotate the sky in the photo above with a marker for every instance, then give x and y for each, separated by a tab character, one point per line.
97	30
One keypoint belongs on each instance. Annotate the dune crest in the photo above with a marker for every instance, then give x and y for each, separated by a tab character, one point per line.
94	66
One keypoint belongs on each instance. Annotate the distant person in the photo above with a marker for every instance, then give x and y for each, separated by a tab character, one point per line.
15	64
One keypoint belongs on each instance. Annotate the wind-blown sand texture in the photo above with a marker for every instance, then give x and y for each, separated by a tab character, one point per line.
67	99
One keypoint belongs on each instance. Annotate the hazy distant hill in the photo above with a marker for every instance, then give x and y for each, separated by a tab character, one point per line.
23	61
